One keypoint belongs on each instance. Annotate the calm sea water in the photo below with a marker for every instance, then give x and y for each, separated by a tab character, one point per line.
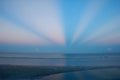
67	60
64	60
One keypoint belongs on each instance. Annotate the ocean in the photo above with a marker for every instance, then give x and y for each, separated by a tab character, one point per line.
60	67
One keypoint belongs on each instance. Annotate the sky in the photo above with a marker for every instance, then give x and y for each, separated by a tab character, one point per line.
60	26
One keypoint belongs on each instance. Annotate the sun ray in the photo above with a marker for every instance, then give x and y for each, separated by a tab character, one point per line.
106	28
113	39
12	34
35	14
89	15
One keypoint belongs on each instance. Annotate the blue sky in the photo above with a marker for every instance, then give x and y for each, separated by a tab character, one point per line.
62	26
